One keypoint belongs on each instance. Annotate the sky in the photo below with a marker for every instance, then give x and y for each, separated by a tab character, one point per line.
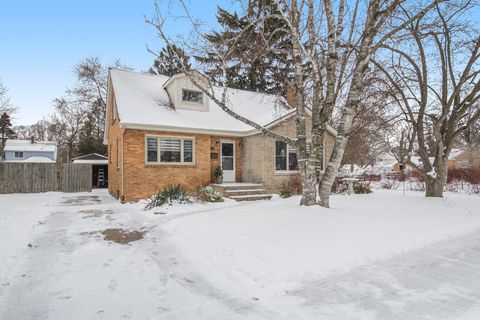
41	41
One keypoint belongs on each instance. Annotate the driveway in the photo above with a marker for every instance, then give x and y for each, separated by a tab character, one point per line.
67	270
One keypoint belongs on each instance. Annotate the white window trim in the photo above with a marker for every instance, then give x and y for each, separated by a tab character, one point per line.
288	172
284	172
158	162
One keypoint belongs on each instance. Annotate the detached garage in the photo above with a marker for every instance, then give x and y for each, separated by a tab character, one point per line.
99	168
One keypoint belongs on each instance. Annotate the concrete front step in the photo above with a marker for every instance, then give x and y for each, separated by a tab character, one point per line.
230	193
242	191
252	197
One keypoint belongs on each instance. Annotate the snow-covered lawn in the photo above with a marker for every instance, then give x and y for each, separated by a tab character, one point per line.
378	256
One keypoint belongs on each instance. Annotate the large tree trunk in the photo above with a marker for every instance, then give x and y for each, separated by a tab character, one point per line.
434	185
309	194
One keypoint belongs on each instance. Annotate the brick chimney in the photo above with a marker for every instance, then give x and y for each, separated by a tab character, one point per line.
291	97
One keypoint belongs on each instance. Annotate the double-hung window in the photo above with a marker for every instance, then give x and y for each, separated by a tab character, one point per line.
285	157
170	150
18	154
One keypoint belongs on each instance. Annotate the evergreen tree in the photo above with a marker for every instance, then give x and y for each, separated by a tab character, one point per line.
5	131
166	62
260	60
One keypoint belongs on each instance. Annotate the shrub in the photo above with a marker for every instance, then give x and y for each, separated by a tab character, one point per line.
207	194
291	187
286	191
339	186
218	172
362	188
468	175
170	195
390	184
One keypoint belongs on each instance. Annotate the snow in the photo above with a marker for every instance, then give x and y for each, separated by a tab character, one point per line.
36	159
141	100
98	161
379	256
26	145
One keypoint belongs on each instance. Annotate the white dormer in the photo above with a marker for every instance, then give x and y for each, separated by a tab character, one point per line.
186	95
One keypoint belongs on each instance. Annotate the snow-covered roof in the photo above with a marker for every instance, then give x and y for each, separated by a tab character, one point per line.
35	159
143	103
455	153
27	145
91	156
98	161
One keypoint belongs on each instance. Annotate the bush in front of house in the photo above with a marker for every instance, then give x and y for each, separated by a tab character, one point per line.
362	188
168	196
207	194
290	187
286	191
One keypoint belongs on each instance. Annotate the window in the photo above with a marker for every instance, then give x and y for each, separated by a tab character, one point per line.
169	150
18	154
192	96
463	164
285	157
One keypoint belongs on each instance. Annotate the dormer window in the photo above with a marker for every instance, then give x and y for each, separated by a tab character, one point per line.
192	96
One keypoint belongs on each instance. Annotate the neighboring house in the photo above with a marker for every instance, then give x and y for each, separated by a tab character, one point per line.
162	131
464	159
30	151
99	165
416	160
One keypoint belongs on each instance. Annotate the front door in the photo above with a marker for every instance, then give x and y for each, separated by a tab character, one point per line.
228	160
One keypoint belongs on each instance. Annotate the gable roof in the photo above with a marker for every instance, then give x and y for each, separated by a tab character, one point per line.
27	145
91	156
143	103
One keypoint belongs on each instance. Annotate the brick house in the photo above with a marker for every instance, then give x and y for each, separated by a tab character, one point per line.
465	159
162	131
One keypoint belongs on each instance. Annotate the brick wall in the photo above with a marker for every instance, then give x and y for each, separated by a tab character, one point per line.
259	156
141	180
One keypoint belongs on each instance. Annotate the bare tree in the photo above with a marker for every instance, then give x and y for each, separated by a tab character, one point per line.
435	70
5	104
332	44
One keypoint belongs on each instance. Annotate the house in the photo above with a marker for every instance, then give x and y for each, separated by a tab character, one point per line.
464	159
162	131
416	160
99	165
28	151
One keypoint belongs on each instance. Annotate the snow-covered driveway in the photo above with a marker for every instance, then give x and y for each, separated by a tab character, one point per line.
382	256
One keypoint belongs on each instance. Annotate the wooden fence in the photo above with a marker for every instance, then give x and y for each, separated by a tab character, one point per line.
43	177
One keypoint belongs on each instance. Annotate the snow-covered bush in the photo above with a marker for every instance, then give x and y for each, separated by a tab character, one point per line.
339	186
168	196
390	184
207	194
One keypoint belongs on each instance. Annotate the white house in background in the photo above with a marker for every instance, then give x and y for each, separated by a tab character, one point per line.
28	151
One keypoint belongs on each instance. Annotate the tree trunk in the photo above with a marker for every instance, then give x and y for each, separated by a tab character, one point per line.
434	185
309	194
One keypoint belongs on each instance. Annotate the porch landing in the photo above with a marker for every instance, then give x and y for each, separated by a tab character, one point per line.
242	191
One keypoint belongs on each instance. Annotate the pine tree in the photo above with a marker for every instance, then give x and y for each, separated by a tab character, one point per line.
5	130
259	61
166	62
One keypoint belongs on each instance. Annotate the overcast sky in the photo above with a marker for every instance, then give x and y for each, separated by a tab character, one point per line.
41	41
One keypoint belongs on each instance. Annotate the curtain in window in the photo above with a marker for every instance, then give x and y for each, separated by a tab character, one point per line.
152	155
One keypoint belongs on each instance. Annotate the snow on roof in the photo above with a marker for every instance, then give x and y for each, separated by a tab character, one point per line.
455	153
142	101
36	159
91	156
27	145
98	161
